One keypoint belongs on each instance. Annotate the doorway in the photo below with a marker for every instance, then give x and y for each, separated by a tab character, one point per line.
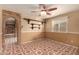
11	29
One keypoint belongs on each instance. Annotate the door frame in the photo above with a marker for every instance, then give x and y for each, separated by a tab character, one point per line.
17	16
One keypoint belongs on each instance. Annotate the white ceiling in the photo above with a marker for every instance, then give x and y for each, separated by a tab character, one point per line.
25	9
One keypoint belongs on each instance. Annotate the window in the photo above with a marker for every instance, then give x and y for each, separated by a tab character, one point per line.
63	27
59	25
56	27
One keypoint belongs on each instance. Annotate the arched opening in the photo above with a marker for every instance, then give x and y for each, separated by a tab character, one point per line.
11	31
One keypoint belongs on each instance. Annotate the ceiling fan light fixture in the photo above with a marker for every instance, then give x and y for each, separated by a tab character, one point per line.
43	13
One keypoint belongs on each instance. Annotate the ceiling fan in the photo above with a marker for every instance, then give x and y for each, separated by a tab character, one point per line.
44	8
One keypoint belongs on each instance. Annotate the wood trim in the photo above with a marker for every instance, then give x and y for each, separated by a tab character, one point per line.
17	16
69	38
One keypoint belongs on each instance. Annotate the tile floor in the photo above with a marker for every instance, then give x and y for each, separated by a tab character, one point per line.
41	47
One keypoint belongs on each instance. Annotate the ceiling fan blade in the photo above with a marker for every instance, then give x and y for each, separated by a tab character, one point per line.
48	13
33	11
36	11
42	6
51	9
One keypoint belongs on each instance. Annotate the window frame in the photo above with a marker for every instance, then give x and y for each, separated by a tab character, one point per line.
60	21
